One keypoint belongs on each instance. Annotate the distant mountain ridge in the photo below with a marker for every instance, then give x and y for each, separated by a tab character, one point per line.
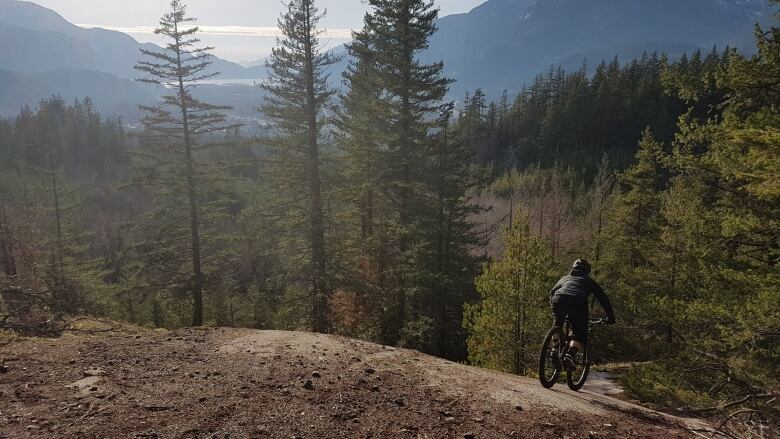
61	44
111	95
498	45
504	43
43	54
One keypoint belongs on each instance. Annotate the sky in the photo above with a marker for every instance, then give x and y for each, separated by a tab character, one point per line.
241	30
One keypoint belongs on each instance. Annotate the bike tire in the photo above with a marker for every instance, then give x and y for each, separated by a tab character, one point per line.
545	357
576	378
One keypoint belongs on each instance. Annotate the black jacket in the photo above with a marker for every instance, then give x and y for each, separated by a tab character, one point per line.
582	286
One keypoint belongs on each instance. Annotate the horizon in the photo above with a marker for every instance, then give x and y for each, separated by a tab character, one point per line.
242	31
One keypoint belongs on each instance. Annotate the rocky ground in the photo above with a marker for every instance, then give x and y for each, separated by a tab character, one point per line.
233	383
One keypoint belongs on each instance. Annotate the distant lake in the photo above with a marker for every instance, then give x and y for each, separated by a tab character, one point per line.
231	81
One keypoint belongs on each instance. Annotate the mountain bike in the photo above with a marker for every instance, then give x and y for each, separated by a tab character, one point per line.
555	345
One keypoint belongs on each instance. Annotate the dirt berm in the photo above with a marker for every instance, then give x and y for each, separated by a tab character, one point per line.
234	383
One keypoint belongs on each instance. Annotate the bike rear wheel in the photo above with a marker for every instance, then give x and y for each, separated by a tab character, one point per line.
576	378
550	357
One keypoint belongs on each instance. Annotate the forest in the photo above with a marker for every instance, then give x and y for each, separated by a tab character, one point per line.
375	208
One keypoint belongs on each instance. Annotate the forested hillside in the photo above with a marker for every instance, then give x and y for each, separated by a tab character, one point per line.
385	212
502	44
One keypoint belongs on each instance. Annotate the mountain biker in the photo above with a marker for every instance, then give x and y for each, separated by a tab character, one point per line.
569	298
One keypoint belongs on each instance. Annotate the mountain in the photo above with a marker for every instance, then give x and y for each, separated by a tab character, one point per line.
38	39
503	43
498	45
112	95
43	54
32	50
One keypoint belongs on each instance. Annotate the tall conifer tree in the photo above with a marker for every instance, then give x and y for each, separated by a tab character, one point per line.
180	126
393	99
298	92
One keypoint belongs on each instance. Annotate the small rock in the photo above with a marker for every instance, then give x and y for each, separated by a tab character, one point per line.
608	425
469	436
519	408
3	368
202	399
374	388
94	372
316	374
400	402
449	420
308	385
85	385
370	371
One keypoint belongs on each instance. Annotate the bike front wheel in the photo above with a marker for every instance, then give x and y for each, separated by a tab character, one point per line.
550	357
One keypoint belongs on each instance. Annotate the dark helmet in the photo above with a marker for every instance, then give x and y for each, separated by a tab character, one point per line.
581	266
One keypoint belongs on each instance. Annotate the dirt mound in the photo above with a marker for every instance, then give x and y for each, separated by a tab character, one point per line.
227	383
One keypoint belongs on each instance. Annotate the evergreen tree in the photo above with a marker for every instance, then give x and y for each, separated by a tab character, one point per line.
392	100
504	326
444	260
633	247
176	130
298	94
722	211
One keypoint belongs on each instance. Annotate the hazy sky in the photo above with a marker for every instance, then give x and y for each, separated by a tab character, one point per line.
241	30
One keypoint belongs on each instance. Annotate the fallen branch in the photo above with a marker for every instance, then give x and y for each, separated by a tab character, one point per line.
732	403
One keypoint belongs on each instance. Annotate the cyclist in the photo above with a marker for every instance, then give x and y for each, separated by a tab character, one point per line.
569	298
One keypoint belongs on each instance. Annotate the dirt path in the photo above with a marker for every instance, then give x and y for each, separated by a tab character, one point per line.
227	383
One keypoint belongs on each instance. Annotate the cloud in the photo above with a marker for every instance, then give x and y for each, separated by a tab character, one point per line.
224	31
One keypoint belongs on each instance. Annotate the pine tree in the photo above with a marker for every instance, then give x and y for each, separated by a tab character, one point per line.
722	211
448	266
180	127
298	92
387	113
504	326
633	246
